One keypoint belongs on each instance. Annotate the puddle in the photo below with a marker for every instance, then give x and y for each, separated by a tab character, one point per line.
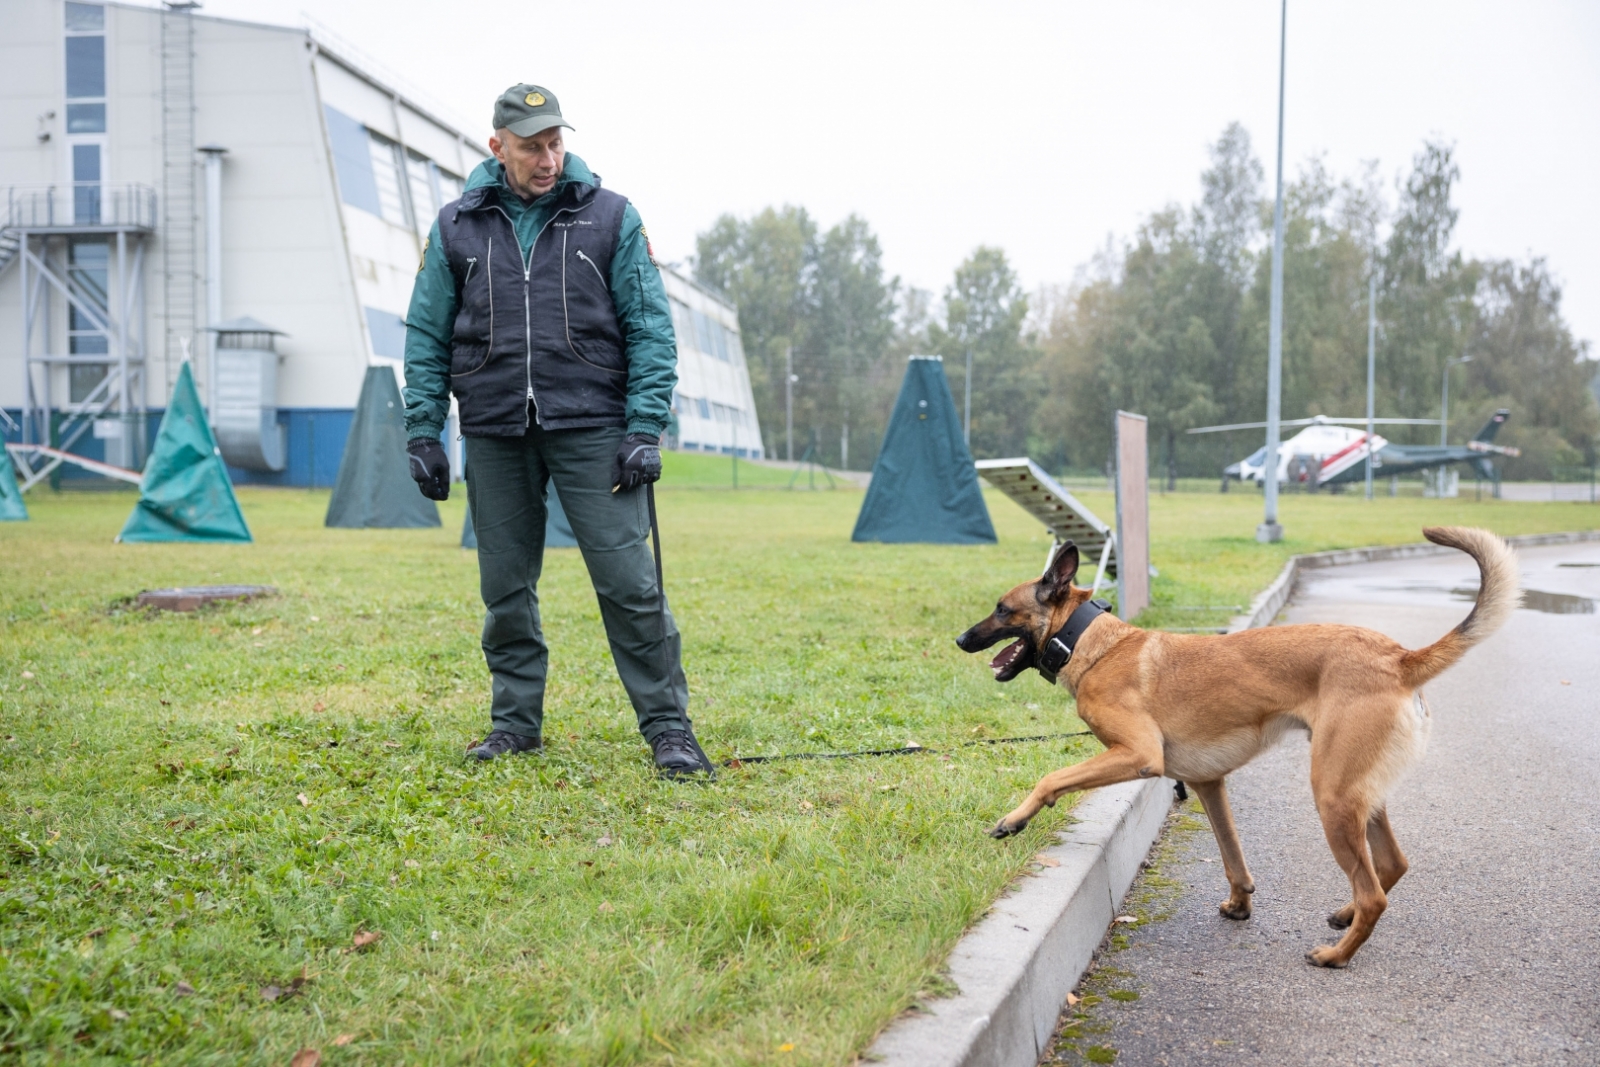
1557	603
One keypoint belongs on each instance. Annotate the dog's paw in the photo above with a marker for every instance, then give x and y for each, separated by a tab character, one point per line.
1235	910
1326	956
1002	830
1341	919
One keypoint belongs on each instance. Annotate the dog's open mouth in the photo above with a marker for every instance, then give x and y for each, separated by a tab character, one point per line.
1012	660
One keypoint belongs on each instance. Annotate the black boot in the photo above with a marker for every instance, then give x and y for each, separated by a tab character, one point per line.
678	755
503	743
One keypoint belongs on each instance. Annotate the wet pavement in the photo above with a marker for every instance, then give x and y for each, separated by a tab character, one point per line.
1490	950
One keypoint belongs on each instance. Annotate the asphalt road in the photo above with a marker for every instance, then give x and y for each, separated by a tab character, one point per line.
1490	950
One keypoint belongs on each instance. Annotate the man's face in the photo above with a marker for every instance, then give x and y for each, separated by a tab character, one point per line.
533	164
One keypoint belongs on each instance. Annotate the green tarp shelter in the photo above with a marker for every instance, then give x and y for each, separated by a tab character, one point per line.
374	487
12	509
924	486
186	494
557	530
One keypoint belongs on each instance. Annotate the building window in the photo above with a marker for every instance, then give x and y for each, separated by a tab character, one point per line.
388	332
386	173
86	184
86	118
89	268
705	409
86	18
352	161
424	206
450	186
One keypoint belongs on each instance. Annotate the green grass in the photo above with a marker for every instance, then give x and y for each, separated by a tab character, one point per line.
219	802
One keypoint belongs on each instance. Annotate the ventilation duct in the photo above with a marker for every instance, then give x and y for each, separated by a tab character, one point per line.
245	408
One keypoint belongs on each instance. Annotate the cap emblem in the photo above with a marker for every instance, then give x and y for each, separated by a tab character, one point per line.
533	99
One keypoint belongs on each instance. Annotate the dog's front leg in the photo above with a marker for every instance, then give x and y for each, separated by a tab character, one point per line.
1214	797
1119	763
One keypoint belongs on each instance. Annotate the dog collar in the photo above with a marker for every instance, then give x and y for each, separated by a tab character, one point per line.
1058	649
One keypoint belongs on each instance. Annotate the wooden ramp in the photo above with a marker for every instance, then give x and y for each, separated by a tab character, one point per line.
1062	513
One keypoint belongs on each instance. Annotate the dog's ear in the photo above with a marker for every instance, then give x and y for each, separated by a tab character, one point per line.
1058	575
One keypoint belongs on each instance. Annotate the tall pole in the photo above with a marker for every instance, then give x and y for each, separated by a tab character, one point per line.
1269	530
1372	360
788	402
966	403
213	154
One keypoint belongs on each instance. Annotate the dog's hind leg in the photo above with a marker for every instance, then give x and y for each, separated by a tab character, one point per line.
1344	822
1387	860
1214	797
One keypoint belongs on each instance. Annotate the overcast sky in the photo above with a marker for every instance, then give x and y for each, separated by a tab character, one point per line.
1038	127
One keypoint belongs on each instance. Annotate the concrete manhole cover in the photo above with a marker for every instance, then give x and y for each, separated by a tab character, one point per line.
188	598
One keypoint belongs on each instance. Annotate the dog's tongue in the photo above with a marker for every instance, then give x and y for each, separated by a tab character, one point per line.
1007	654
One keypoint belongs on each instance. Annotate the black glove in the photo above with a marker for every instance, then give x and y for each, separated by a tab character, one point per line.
638	462
430	467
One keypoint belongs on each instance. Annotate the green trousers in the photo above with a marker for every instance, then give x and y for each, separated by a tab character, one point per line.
506	480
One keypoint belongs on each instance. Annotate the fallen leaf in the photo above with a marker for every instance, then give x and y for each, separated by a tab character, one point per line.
1072	999
98	931
391	744
183	989
1204	860
306	1057
271	992
27	674
364	939
318	706
315	619
586	863
1046	861
806	805
413	864
1126	919
165	703
305	801
788	1046
343	1039
605	905
604	841
256	632
118	1014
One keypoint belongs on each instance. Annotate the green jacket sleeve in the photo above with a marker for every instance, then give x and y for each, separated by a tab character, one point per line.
646	322
429	324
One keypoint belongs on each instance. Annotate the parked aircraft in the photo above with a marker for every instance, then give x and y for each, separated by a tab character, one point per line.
1330	451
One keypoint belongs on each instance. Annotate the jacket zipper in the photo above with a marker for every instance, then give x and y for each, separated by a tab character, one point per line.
472	262
527	312
595	266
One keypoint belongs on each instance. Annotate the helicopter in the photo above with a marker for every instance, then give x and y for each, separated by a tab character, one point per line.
1330	451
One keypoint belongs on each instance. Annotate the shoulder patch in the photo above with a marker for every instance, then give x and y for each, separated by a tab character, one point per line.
422	261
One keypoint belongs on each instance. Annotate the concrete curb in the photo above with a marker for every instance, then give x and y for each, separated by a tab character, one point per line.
1015	968
1271	600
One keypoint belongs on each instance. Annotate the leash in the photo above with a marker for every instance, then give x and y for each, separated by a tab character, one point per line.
906	750
661	601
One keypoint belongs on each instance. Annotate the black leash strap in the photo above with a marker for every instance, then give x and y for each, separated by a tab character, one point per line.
908	750
661	601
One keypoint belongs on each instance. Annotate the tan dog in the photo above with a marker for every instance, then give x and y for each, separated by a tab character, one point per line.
1195	707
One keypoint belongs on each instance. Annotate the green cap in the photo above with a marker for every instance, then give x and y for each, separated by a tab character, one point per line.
528	109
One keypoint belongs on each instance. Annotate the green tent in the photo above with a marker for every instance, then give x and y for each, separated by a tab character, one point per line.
185	494
557	530
924	486
374	487
12	509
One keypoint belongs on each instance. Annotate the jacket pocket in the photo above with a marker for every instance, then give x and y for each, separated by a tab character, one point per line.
467	359
590	302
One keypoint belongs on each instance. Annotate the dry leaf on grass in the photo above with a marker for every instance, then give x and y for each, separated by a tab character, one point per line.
1046	861
605	905
787	1046
343	1039
1072	999
364	939
604	841
183	989
306	1057
305	801
318	706
1126	919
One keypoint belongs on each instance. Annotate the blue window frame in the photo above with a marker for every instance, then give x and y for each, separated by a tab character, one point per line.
86	197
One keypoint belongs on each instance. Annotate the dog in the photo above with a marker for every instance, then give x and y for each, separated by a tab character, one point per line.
1196	707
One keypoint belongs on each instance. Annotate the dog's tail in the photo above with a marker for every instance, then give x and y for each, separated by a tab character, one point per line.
1498	597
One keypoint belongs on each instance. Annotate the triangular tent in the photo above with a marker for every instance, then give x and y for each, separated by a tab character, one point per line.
374	487
557	530
185	494
12	509
924	487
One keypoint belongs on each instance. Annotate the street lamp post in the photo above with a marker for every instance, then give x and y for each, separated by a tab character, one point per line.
788	402
1372	352
1269	530
1444	400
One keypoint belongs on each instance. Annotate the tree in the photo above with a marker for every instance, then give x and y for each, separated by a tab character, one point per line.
984	312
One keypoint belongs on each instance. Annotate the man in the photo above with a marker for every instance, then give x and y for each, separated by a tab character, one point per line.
538	304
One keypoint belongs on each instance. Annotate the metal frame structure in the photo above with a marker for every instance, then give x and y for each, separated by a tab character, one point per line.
43	219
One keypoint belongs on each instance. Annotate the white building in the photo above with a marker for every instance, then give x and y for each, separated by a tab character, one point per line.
164	172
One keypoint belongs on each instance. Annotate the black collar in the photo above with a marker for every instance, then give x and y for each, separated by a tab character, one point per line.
1057	651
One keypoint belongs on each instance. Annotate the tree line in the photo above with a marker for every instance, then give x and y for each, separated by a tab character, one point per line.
1172	323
